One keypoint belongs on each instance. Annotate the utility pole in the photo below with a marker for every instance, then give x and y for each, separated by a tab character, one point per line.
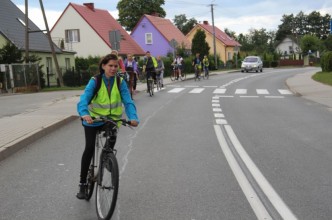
52	46
214	39
27	32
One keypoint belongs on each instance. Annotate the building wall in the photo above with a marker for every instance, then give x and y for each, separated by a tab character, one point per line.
284	46
221	50
90	43
3	41
159	46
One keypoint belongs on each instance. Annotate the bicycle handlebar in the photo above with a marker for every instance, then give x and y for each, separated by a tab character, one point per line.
123	121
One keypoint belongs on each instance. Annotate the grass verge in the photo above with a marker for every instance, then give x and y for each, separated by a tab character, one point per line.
323	77
66	88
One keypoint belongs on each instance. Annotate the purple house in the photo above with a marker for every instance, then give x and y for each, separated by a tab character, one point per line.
158	35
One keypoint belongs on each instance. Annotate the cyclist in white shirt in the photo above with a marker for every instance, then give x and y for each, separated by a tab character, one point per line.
178	61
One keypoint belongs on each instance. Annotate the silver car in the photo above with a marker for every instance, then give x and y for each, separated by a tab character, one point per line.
252	63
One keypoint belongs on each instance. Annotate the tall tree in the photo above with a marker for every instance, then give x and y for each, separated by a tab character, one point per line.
199	45
130	11
310	43
183	24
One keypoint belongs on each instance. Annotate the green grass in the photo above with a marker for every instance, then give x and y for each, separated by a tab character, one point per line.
323	77
65	88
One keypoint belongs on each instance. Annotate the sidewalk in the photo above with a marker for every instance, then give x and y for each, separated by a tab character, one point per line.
20	130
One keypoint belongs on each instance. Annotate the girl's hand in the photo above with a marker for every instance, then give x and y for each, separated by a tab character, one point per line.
134	123
87	118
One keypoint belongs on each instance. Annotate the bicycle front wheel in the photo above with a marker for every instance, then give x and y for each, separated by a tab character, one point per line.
173	75
91	181
107	187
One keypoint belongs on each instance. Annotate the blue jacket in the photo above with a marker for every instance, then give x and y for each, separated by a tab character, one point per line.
82	105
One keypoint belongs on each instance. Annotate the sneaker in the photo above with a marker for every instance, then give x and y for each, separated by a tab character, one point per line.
82	192
162	85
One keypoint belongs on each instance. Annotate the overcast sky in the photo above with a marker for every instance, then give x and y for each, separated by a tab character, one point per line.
236	15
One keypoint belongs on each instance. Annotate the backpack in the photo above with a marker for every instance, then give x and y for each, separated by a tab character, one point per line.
98	78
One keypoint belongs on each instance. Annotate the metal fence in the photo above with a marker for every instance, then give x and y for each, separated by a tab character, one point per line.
19	78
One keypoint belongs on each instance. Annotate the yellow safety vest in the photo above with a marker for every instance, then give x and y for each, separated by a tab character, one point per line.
107	105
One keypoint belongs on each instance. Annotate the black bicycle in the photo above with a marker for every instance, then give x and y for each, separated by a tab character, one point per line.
104	169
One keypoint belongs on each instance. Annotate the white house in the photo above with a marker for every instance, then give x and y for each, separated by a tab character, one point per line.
288	46
86	30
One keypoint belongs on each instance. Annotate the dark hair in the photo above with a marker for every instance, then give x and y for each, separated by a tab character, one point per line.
105	60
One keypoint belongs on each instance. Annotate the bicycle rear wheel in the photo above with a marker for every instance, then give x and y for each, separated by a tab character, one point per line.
107	187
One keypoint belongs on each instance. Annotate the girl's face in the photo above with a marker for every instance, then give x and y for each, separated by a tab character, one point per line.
110	68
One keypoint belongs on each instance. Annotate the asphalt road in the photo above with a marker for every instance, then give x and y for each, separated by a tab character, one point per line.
175	165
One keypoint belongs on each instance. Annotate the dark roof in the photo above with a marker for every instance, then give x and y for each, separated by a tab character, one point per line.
102	22
14	31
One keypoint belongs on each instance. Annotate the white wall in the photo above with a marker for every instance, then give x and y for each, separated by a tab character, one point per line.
284	46
90	43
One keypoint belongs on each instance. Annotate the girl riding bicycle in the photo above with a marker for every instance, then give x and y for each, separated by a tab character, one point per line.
106	102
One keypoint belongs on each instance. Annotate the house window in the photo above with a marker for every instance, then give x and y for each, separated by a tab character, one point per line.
291	49
67	60
72	35
148	38
229	56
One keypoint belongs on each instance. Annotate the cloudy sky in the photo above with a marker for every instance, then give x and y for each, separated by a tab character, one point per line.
236	15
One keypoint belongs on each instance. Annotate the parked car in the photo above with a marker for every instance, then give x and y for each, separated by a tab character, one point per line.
252	63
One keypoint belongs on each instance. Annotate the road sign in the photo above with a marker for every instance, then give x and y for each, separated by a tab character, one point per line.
173	43
115	38
331	26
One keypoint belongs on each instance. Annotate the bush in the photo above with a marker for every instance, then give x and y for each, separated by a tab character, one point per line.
326	62
274	63
266	64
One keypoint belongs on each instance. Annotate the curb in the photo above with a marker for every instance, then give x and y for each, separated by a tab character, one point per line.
10	149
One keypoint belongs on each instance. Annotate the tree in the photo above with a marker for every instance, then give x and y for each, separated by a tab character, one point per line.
183	24
130	11
328	43
230	33
199	45
310	42
10	54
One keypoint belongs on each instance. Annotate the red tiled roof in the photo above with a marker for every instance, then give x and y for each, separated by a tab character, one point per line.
102	22
220	35
168	30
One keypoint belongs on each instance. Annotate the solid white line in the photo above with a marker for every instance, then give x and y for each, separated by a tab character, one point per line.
197	90
249	96
176	90
274	97
266	187
226	96
253	199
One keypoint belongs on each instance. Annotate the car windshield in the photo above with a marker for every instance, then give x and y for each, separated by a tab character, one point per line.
250	59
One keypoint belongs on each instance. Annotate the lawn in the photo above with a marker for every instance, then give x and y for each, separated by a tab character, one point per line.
323	77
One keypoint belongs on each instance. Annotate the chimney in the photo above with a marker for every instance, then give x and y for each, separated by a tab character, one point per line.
206	22
90	5
156	14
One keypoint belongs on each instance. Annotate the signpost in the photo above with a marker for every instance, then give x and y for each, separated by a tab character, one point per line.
173	44
115	38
